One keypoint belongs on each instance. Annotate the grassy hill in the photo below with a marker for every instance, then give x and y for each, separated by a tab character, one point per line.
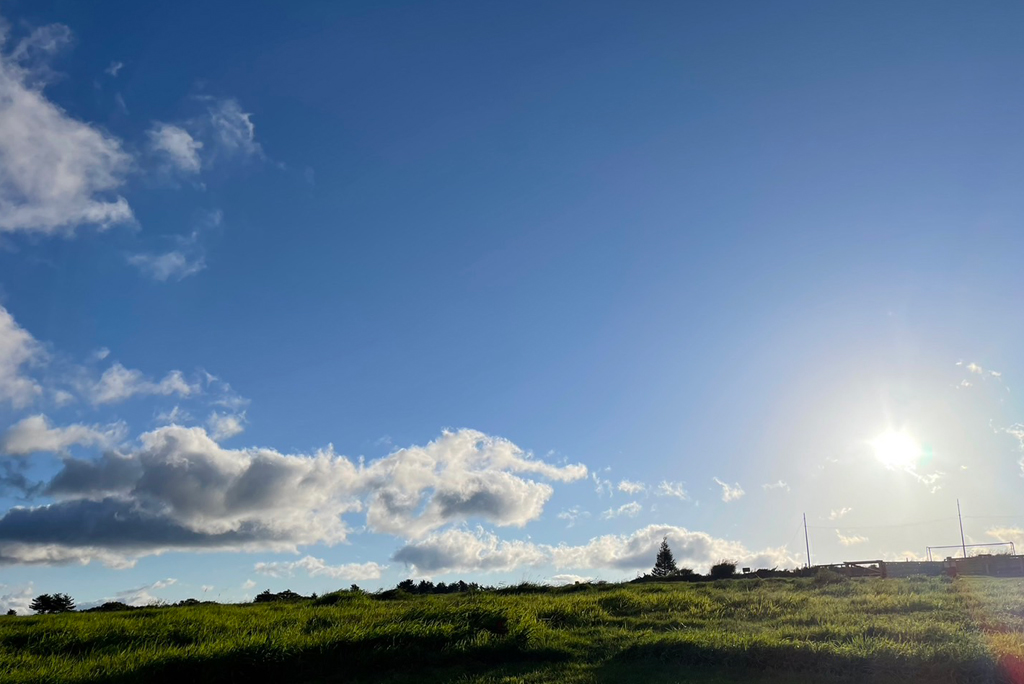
787	630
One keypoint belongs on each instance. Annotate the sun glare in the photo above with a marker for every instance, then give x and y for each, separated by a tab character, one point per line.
896	450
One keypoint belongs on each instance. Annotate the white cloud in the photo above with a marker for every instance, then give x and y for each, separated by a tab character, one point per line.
480	551
569	579
56	172
317	567
119	383
675	489
113	69
17	599
637	551
248	584
630	509
729	492
225	425
34	434
631	487
851	540
180	490
1007	534
780	485
464	551
467	474
17	349
174	265
838	513
177	145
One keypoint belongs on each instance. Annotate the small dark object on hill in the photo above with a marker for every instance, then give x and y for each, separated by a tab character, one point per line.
665	563
52	603
12	612
723	570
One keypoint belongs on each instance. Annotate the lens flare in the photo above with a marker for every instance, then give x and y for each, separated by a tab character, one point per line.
896	450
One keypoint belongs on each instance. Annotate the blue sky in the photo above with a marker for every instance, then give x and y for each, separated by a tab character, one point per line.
296	297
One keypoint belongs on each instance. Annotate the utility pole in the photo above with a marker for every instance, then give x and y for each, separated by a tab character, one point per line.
807	543
963	543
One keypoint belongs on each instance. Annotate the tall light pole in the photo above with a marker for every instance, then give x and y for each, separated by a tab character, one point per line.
807	543
963	543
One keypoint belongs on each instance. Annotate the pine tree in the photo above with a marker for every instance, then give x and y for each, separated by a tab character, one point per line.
665	564
52	603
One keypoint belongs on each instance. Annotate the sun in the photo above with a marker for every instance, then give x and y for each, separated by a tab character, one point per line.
896	450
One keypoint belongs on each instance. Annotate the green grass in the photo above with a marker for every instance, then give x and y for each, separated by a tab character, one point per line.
787	630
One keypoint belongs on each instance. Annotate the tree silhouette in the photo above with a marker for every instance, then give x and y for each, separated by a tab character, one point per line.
665	564
52	603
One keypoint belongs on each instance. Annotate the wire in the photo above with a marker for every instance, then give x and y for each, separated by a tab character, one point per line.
877	527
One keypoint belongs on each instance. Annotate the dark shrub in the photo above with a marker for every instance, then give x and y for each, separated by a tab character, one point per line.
723	570
824	577
110	607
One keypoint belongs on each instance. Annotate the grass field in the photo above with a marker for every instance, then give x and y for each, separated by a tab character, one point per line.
787	630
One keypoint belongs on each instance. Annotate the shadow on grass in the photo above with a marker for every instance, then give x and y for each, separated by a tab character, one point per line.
419	659
689	662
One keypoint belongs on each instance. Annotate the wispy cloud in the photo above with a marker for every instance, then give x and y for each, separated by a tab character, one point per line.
851	540
176	145
187	259
571	515
119	383
631	487
18	351
173	265
225	425
1007	534
780	485
318	567
838	513
730	492
630	510
232	128
673	489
